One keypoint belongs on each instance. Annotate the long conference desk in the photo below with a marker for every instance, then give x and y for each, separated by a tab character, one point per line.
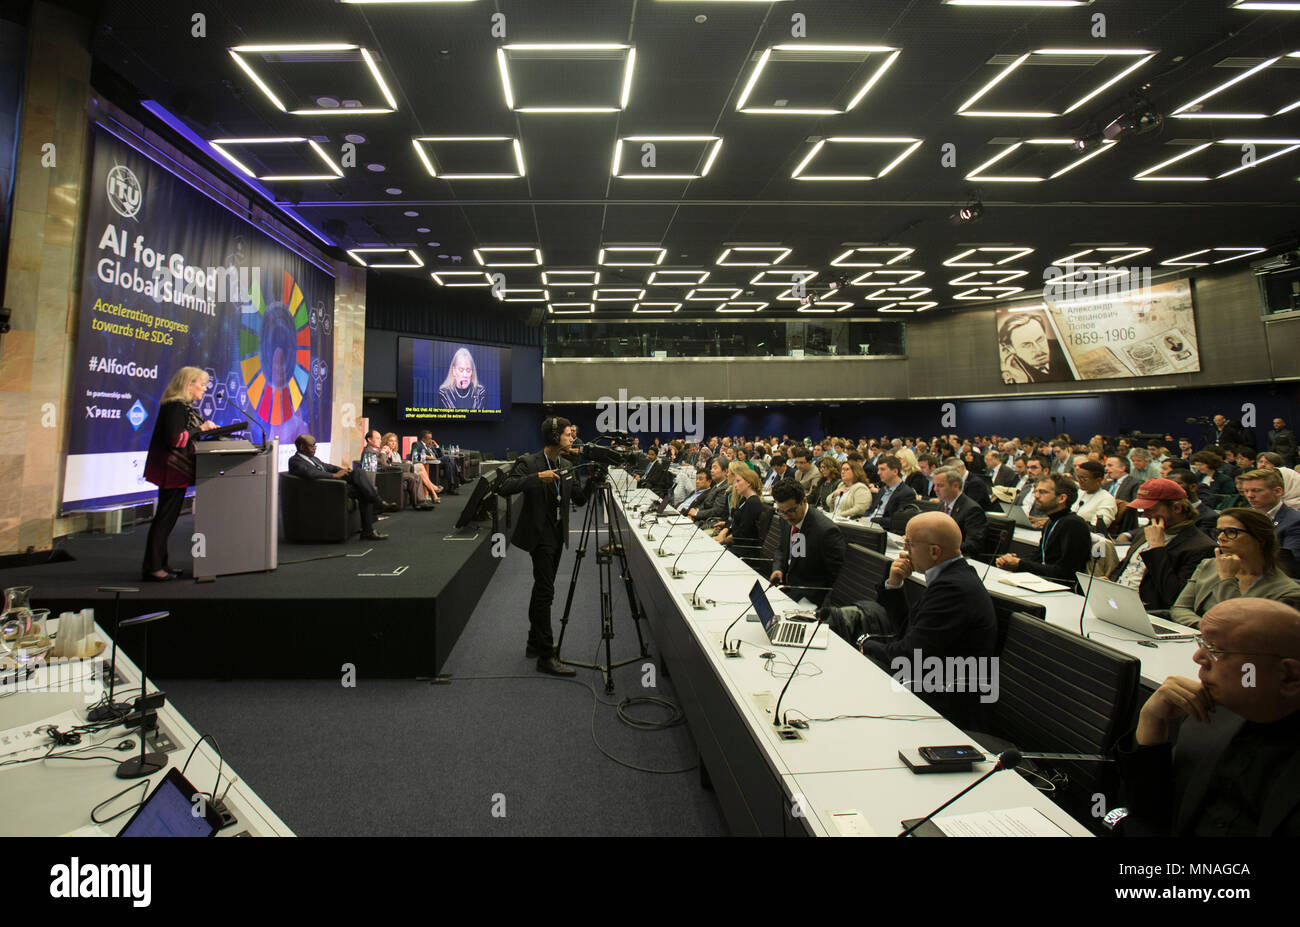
55	797
843	776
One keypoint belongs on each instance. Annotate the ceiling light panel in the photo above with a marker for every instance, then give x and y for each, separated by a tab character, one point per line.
524	295
675	157
1031	72
1208	161
274	69
983	277
470	157
462	278
871	256
570	277
1248	77
987	256
824	307
752	255
783	278
584	77
868	158
619	294
885	277
1207	256
508	256
1103	254
578	308
1275	6
656	308
281	158
981	294
1053	157
712	294
1060	4
684	278
631	256
741	307
907	306
892	293
781	70
380	258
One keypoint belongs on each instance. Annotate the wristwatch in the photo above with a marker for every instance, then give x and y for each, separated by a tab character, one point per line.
860	640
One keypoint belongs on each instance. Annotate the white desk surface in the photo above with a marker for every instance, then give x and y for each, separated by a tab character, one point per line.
836	760
55	797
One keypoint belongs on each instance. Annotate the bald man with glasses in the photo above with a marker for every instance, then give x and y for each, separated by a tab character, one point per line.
1232	767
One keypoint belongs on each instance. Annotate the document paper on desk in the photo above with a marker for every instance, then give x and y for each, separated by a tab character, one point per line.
1010	822
24	742
1033	583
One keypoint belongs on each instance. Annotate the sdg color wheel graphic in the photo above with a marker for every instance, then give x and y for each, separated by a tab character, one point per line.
275	351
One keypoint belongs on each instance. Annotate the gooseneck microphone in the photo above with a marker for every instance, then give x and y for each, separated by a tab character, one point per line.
1009	759
726	646
776	715
695	596
673	571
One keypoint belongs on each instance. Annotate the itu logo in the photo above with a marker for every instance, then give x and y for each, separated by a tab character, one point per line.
124	193
136	415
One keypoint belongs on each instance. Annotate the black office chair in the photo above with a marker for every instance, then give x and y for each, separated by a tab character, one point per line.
1061	693
997	540
898	521
762	560
872	537
860	578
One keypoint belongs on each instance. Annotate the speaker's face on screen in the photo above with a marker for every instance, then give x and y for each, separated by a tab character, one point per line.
1029	342
463	372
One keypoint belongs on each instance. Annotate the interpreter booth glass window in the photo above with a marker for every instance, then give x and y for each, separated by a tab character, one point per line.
689	338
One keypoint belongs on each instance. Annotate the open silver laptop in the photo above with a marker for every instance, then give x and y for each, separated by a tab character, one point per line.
787	632
1119	605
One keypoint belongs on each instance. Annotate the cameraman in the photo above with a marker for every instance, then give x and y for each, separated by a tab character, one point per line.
549	486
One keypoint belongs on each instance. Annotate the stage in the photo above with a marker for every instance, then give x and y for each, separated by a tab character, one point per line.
391	609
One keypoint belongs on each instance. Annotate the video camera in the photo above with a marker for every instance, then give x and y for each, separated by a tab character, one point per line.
617	453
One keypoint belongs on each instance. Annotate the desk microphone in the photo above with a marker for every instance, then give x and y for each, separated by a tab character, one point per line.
661	552
776	715
1009	759
695	596
673	571
726	646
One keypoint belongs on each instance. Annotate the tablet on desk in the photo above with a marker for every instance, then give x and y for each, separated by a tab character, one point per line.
173	810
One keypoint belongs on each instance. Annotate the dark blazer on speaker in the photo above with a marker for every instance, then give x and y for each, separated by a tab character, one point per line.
1165	788
823	556
543	511
972	521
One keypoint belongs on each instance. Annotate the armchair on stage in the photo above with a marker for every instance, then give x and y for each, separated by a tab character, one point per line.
236	498
317	511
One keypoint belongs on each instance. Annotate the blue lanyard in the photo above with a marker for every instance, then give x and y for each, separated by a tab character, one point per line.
1047	534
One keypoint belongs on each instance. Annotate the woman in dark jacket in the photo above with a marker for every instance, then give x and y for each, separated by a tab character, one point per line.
830	481
170	464
1214	483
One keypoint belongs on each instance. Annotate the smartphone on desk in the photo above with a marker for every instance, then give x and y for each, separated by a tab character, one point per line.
963	753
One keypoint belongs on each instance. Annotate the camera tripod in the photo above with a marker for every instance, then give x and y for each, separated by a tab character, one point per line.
605	554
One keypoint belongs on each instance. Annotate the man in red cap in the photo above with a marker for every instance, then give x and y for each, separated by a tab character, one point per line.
1164	555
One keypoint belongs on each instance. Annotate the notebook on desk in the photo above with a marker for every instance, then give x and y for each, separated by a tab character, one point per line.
1033	583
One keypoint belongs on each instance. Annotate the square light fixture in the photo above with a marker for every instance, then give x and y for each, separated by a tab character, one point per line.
1042	56
1113	254
1266	5
578	308
570	277
335	171
315	53
983	256
870	256
824	307
712	294
619	294
803	53
360	254
752	255
508	256
987	293
570	51
1192	108
525	295
631	256
783	278
1208	256
431	165
712	144
892	293
1019	3
655	308
462	278
907	306
908	145
687	278
985	277
1071	163
1284	146
884	277
741	307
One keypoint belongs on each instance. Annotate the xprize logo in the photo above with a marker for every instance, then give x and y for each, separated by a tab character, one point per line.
101	412
124	193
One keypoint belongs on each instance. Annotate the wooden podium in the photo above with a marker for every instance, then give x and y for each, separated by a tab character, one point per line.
236	501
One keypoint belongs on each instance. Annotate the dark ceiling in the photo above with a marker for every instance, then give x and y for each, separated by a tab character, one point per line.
440	62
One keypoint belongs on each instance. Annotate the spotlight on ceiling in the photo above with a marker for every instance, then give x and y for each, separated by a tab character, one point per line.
971	212
1141	119
1089	142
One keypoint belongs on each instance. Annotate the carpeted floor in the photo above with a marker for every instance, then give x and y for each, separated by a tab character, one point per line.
476	757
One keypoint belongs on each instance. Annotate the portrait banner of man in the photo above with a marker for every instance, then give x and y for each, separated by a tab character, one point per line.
1029	350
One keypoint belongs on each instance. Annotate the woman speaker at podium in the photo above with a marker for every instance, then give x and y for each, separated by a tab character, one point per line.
170	464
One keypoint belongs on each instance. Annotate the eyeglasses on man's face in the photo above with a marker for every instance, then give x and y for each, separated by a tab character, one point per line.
1215	653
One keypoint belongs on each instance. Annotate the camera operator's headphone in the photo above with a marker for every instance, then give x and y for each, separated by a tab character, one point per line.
551	432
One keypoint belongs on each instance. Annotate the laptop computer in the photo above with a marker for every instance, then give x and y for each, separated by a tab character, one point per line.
1018	514
1119	605
787	632
169	812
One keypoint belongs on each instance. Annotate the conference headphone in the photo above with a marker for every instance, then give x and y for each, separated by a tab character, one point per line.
551	432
